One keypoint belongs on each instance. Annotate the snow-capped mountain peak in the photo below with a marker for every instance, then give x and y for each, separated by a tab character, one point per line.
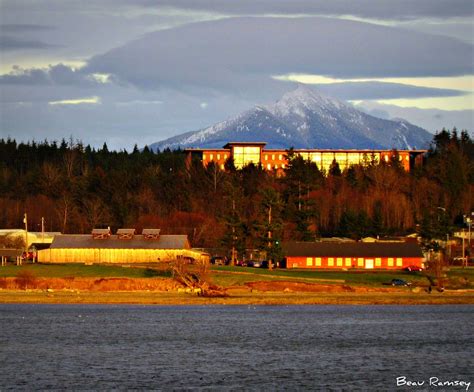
305	118
305	98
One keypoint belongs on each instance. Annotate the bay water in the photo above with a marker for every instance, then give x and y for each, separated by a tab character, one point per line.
255	348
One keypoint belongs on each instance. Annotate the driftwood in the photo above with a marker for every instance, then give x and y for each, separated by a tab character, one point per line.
195	276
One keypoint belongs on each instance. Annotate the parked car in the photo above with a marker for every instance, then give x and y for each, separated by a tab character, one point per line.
413	268
219	260
241	263
254	263
265	264
400	282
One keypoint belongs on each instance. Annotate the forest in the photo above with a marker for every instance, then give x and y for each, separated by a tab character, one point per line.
77	188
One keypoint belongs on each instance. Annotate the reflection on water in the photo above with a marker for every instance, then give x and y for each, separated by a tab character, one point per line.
232	348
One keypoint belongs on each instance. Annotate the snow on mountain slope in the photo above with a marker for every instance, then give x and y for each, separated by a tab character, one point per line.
304	118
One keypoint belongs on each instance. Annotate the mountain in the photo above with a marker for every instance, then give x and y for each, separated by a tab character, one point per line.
305	118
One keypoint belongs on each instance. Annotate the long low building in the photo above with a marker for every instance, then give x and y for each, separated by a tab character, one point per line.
123	248
244	153
390	255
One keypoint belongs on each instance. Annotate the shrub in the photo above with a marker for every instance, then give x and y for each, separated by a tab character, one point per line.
25	279
151	273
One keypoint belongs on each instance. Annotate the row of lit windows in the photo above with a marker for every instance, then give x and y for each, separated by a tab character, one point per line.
211	157
347	262
273	156
276	167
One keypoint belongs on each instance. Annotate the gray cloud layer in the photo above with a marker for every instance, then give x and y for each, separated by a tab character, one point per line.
12	43
243	53
53	75
379	90
380	9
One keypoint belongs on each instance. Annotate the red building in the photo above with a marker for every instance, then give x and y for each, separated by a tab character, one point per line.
377	255
244	153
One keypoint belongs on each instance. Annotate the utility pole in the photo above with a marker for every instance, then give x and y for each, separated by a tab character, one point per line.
270	264
25	221
232	262
42	230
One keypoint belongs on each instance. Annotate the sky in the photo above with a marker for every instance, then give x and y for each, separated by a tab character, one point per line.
135	72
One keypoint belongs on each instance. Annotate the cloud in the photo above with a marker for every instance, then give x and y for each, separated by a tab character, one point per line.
380	90
379	9
20	28
240	55
8	43
59	74
78	101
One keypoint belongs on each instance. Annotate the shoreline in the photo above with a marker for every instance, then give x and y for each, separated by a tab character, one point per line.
235	297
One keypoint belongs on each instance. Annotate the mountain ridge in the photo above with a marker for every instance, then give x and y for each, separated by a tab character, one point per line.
305	118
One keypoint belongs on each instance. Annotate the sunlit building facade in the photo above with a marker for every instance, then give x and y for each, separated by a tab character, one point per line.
244	153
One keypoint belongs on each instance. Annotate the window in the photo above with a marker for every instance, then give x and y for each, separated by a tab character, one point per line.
211	157
339	261
218	157
225	156
318	261
399	262
273	157
269	166
341	159
203	157
348	261
283	166
243	155
309	262
331	261
280	157
326	161
222	167
390	262
266	157
353	158
378	262
360	262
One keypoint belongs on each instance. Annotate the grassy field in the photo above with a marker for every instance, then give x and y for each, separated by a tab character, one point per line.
233	276
81	270
228	276
234	280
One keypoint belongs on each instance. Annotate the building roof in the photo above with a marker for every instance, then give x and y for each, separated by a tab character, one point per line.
259	144
10	252
100	231
85	241
126	231
151	231
351	249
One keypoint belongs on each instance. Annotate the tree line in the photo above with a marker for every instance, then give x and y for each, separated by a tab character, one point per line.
76	188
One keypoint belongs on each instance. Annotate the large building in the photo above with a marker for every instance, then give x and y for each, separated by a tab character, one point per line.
123	248
244	153
363	255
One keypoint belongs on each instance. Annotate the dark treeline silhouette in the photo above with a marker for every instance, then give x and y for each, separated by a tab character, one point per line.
76	187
